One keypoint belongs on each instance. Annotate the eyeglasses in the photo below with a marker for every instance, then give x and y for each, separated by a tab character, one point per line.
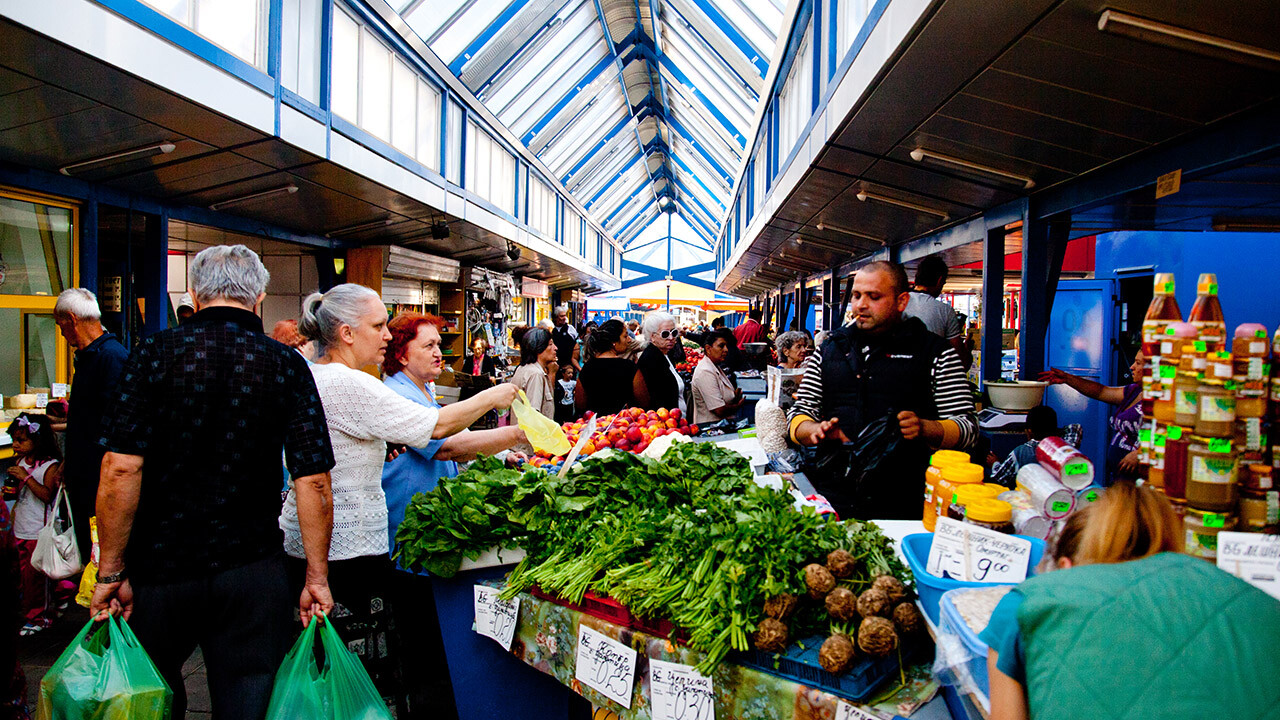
665	334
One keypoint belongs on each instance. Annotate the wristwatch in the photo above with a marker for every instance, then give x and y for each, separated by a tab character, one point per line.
114	577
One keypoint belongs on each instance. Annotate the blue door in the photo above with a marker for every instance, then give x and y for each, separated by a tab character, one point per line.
1081	341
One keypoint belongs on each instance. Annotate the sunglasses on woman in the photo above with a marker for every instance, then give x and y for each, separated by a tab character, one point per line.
665	334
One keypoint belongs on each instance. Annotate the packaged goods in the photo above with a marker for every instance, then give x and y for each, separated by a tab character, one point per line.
1257	477
1027	521
1211	474
1251	370
1164	369
1087	496
991	514
932	477
1259	510
953	476
1206	314
1186	400
1049	496
1162	311
1202	528
1177	440
1217	415
1065	463
965	494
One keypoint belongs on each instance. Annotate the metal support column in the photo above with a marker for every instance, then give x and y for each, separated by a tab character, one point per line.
89	246
992	301
155	273
1044	245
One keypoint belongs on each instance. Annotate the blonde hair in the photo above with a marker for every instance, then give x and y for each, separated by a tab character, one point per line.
1127	522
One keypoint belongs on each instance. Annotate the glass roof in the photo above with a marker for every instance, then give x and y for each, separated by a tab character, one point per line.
637	106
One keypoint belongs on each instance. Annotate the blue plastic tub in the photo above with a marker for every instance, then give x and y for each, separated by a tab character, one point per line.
978	665
801	666
930	587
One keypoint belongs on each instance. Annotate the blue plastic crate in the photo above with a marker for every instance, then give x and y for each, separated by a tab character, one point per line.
857	685
977	666
915	548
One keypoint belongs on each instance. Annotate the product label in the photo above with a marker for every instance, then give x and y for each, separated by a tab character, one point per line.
1091	496
1144	435
59	390
496	618
605	665
1257	348
678	692
1201	346
1221	370
1214	520
1252	433
1256	369
1168	372
1174	432
1260	334
971	553
1215	471
1202	545
1079	468
1186	402
1252	557
1217	409
1166	347
1060	506
845	711
1219	445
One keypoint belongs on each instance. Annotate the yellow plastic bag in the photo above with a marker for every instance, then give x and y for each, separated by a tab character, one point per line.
84	596
543	432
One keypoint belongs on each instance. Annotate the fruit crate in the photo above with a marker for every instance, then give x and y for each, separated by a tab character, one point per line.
801	665
606	608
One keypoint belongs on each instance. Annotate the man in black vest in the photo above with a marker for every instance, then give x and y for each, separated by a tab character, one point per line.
881	366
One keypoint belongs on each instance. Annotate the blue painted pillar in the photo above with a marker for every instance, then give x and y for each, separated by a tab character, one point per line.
992	302
155	273
1044	245
89	246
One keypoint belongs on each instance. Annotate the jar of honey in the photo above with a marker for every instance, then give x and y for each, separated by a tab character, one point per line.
932	477
1202	528
1211	475
1186	400
1217	414
954	476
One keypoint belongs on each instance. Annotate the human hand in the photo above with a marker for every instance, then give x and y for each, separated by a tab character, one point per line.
1129	463
812	432
315	600
992	459
500	397
112	599
913	427
17	473
395	450
1054	376
516	459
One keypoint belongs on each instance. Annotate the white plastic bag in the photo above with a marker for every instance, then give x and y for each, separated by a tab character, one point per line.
56	553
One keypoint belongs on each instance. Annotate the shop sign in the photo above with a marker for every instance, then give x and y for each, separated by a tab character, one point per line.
533	288
845	711
1168	184
678	692
962	551
495	617
605	665
109	299
1252	557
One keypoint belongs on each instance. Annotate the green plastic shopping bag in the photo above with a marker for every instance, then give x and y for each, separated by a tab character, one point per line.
104	674
340	689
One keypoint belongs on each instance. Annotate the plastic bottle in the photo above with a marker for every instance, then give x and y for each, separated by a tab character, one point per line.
1207	315
1250	370
1162	311
1164	367
932	477
953	476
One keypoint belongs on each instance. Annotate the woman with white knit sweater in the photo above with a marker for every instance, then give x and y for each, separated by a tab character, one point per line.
349	327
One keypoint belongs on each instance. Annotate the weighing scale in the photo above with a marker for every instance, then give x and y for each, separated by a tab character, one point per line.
1005	429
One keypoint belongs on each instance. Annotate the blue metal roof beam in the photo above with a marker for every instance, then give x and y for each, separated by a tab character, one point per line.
758	58
586	157
480	88
586	80
484	37
639	48
622	82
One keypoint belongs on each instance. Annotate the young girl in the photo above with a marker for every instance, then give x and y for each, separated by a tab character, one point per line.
564	394
38	474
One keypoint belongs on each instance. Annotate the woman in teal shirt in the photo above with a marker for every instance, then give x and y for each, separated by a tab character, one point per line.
1129	627
413	363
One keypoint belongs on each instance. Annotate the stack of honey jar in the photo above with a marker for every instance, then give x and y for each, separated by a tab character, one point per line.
1206	415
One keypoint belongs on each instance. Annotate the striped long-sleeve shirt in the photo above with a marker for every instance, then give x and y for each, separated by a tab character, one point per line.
951	395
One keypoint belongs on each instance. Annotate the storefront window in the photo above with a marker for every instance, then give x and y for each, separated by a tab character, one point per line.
40	336
35	248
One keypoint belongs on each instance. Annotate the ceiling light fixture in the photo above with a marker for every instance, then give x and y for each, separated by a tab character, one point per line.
163	148
1178	38
358	228
846	231
1246	225
920	155
284	189
865	196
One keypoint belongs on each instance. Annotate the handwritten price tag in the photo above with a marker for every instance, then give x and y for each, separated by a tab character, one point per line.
975	554
678	692
59	390
42	400
605	665
1253	558
845	711
495	617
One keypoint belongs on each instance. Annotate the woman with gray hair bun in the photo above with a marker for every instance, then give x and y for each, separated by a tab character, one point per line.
666	387
349	327
793	347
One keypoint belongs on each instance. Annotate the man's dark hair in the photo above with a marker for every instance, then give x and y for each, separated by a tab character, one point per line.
755	315
717	323
931	271
532	343
1042	421
710	338
897	275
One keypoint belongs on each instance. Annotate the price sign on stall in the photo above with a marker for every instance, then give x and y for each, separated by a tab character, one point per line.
495	617
59	390
605	665
970	553
845	711
1252	557
678	692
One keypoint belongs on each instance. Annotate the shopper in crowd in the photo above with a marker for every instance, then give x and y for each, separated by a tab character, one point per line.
883	363
188	540
793	348
1042	422
676	354
349	326
286	332
819	338
610	381
750	331
100	359
1122	449
412	363
565	337
186	308
36	475
566	386
584	344
633	327
714	395
537	370
941	319
665	386
1109	630
479	362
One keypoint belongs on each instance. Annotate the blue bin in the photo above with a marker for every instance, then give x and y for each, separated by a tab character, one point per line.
978	665
930	587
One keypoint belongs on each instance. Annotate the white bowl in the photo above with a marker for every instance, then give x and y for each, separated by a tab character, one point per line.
1018	396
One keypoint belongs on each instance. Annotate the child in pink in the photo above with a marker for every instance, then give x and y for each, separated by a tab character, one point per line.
37	475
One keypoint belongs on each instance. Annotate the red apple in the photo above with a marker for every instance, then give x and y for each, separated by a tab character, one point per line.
675	413
634	435
622	445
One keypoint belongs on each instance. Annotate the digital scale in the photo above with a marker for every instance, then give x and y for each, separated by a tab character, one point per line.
996	420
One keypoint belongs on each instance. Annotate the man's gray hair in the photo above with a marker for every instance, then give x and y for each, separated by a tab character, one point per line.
324	313
228	272
78	302
561	310
654	321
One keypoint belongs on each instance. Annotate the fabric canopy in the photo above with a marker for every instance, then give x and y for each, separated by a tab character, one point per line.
655	293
